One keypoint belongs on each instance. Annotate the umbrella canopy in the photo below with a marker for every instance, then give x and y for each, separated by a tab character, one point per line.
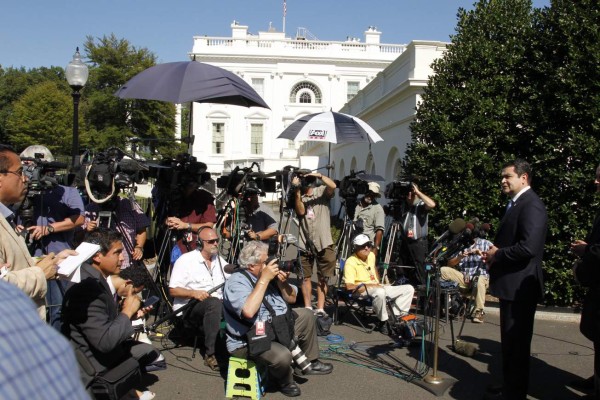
185	81
330	127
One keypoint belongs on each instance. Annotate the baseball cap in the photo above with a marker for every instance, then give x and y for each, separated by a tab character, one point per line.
361	240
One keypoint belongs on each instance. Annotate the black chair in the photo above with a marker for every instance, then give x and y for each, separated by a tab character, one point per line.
360	307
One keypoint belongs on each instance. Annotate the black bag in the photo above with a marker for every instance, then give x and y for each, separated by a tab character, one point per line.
324	323
283	325
116	382
258	344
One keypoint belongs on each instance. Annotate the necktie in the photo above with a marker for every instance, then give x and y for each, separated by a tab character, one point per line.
509	205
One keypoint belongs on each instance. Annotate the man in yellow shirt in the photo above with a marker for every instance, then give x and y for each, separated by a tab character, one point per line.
360	273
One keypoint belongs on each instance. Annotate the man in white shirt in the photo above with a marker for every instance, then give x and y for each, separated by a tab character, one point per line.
193	275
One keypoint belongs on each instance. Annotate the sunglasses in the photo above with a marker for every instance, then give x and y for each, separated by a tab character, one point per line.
364	246
211	241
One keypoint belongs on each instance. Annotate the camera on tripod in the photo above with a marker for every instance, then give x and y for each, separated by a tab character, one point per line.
398	190
353	185
41	174
244	182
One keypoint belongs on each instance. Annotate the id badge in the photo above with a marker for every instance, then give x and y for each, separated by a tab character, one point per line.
260	328
310	213
411	234
188	237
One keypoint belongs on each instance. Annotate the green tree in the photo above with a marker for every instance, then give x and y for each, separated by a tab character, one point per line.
112	120
14	82
516	82
43	115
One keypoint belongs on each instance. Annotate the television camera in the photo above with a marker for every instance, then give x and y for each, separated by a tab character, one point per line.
245	181
110	171
42	177
396	192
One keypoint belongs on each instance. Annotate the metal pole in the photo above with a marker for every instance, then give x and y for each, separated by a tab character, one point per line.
75	149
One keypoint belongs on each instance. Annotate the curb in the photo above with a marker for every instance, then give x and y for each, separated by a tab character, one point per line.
541	313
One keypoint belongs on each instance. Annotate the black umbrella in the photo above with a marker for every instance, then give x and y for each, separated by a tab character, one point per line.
186	81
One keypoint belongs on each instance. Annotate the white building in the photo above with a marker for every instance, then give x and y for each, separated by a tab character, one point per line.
295	76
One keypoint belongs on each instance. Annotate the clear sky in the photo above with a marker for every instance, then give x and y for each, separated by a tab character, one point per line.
36	33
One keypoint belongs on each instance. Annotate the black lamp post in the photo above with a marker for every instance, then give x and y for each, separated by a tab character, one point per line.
77	75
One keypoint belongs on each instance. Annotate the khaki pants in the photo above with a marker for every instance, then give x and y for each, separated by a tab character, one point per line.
451	274
401	296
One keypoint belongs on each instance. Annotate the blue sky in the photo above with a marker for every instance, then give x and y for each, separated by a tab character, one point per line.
36	33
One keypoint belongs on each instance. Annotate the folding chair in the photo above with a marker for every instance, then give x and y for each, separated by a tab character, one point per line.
357	307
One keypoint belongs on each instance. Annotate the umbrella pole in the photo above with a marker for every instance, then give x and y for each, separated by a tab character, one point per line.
329	161
190	127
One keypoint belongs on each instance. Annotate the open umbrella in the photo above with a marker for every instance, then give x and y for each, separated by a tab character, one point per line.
185	81
330	127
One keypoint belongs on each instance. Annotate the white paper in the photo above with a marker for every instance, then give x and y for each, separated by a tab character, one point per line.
69	267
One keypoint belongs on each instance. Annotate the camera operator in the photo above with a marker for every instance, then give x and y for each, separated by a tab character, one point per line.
57	212
244	298
414	222
193	275
196	210
19	267
259	218
311	204
372	216
127	217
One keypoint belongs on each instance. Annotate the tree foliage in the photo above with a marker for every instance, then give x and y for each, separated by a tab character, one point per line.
42	115
515	82
112	120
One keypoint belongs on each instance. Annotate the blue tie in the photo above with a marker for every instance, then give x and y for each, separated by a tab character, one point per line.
509	205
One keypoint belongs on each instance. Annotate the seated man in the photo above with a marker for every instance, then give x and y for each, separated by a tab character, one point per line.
193	275
243	301
360	274
470	266
90	316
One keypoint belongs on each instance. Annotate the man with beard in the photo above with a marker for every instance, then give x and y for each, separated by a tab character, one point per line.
193	275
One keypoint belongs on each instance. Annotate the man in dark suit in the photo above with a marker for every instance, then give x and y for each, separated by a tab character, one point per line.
587	273
91	319
515	264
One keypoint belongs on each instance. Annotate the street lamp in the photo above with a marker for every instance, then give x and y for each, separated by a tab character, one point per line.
77	75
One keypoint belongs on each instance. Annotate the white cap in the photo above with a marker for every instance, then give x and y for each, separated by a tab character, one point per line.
374	189
361	240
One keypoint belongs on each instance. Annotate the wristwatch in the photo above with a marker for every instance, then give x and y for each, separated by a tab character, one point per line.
50	228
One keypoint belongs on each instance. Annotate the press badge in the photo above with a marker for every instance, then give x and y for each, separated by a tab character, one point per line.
410	234
310	213
188	237
260	328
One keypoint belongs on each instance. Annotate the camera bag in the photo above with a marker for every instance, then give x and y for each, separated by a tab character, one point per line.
279	328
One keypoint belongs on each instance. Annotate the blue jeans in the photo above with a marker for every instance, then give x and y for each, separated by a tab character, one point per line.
54	299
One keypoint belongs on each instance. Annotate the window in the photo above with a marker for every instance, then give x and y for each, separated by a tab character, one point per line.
256	138
306	93
352	89
258	84
218	134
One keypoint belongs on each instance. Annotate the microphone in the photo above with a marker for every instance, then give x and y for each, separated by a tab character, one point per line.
231	268
465	348
456	226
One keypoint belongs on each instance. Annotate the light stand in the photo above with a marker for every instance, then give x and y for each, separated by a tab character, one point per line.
77	75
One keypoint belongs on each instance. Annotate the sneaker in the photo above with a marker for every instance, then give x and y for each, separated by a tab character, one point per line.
319	312
478	317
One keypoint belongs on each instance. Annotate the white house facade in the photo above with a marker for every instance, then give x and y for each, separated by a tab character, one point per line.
296	77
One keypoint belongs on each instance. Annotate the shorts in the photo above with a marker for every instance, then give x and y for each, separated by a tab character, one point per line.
325	263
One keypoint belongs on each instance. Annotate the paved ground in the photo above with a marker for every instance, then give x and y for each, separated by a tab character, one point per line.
370	365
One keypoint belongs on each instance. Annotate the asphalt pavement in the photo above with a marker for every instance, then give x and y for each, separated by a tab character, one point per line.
374	366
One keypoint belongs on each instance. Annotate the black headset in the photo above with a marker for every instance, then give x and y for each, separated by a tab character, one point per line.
199	242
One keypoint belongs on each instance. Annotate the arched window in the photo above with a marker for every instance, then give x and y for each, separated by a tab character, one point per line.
305	93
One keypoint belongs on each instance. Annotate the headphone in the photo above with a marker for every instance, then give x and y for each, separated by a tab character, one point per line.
199	242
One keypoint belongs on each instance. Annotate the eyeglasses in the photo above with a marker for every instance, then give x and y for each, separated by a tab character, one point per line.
20	173
211	241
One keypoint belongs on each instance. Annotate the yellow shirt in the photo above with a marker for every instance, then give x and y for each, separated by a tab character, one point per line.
357	271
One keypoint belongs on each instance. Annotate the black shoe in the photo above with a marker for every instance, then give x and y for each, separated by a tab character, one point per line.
384	329
583	385
319	368
290	390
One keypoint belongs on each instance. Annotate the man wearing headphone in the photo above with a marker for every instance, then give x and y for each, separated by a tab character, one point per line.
193	275
360	274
